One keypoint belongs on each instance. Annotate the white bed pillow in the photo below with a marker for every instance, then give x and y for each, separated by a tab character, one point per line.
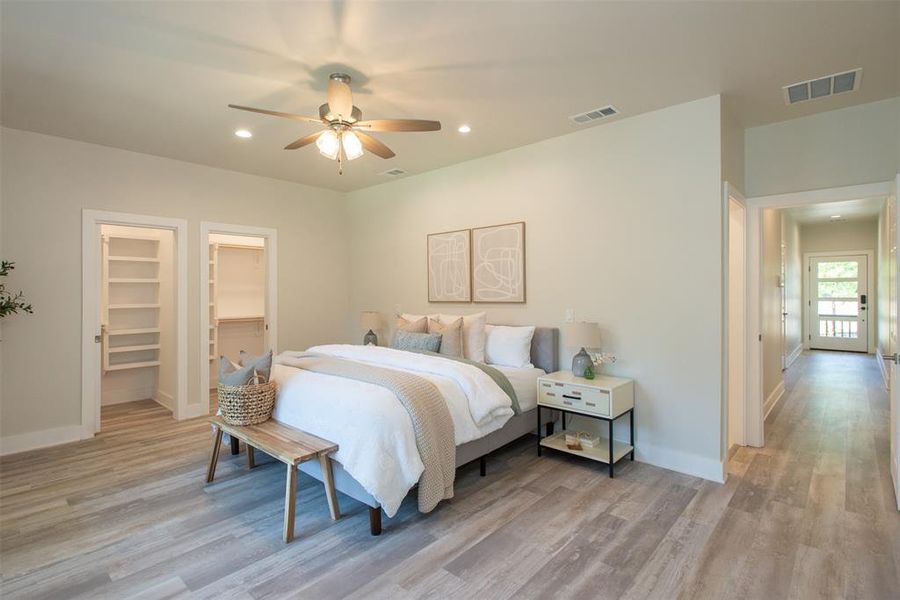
508	346
472	333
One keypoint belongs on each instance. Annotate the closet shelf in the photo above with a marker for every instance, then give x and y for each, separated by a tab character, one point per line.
133	331
132	280
143	238
135	365
242	318
114	349
133	259
127	306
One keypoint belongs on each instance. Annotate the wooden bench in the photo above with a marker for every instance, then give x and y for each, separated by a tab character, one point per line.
287	444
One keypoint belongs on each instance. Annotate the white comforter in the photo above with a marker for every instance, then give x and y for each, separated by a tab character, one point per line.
371	427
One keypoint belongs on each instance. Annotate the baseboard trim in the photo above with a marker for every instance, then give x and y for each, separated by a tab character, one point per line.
683	462
23	442
127	395
794	355
773	399
165	400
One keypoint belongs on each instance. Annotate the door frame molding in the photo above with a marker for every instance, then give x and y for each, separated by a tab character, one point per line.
870	283
201	407
732	194
91	220
755	205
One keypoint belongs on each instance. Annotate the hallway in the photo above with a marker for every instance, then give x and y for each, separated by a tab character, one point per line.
813	514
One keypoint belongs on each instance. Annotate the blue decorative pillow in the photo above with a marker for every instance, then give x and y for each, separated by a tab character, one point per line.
405	340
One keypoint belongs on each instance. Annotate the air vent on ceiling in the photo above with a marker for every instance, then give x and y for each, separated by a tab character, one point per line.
393	172
594	115
822	87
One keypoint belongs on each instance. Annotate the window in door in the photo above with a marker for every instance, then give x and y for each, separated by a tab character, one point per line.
838	303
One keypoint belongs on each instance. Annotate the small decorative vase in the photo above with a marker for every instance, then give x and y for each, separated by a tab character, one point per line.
581	362
589	372
370	339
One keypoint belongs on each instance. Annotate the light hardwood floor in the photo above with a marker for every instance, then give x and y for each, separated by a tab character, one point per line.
127	514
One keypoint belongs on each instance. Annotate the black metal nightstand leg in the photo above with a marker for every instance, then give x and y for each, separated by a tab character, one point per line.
631	438
564	421
538	411
612	458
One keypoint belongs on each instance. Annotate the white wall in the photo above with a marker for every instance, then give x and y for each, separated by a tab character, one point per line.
46	183
839	235
842	147
624	225
793	285
773	379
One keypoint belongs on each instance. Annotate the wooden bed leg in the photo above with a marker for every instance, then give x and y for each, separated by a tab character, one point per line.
235	446
482	465
375	520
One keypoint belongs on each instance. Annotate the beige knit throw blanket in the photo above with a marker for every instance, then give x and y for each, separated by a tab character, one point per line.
427	408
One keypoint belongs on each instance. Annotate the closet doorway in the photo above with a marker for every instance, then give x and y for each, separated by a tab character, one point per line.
134	338
238	295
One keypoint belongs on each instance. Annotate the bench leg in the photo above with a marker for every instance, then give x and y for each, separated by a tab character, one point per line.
235	446
251	456
375	520
328	480
290	502
214	459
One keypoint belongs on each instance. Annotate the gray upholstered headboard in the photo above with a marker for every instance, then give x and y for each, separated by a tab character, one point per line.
545	349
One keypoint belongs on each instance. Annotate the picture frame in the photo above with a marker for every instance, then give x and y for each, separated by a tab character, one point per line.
449	266
498	264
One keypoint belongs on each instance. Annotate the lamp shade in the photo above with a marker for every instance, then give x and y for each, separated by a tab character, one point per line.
582	335
369	319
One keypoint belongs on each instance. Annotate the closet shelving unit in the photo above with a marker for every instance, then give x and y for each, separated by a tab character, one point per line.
130	289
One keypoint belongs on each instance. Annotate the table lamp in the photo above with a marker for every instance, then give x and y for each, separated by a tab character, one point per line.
582	335
371	320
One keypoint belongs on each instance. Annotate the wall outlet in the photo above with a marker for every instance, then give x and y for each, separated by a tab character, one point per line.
570	315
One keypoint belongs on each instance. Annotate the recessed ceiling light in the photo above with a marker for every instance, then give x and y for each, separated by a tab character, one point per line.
464	129
243	133
835	216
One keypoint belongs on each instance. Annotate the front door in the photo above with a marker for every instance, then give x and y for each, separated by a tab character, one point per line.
839	302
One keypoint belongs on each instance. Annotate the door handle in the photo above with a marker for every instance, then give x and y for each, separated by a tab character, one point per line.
98	339
891	357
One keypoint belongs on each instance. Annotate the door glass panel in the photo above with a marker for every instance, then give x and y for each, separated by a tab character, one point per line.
838	270
840	308
838	289
832	328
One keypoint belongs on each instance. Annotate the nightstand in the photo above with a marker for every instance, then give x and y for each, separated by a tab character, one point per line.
603	398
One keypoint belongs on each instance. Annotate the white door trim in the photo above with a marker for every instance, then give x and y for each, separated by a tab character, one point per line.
731	193
201	407
90	308
871	292
755	206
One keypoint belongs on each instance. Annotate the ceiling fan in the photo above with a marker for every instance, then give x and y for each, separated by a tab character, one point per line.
343	134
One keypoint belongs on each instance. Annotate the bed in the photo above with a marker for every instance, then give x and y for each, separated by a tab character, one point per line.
474	441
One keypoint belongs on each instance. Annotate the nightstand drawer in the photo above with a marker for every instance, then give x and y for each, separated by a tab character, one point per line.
574	397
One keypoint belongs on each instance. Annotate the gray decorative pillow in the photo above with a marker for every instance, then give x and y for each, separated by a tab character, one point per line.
404	340
229	374
262	364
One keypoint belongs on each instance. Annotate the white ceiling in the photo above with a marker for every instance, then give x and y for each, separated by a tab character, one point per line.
850	210
155	77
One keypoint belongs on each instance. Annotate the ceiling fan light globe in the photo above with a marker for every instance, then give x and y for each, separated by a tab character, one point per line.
328	144
352	146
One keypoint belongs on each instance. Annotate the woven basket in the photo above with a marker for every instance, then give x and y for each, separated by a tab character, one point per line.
247	404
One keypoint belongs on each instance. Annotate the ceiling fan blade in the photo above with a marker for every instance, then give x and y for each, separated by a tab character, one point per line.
305	140
275	113
399	125
340	99
374	146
